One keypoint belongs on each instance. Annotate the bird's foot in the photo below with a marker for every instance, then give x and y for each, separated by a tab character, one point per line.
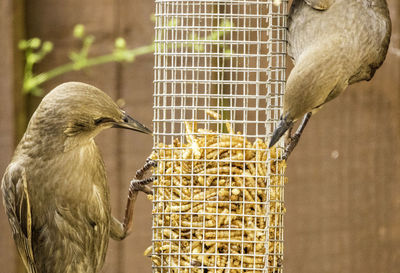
293	140
140	184
149	164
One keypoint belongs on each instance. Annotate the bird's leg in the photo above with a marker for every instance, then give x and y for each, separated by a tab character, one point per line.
293	140
289	134
137	184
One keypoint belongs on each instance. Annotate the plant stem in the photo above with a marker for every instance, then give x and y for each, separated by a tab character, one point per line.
118	55
115	56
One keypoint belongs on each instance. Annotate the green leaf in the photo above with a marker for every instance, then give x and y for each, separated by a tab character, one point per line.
34	43
47	47
79	31
120	43
88	40
23	44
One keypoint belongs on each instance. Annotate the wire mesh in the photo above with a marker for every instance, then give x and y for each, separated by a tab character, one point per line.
219	76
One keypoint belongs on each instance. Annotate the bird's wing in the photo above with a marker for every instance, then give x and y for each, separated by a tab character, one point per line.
18	209
320	4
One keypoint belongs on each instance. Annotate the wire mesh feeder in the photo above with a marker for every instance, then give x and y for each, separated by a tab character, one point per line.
219	78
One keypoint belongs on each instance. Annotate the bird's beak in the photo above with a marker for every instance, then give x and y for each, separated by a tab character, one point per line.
129	123
283	126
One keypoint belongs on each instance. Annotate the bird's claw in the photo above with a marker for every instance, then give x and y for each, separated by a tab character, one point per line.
149	163
142	185
293	140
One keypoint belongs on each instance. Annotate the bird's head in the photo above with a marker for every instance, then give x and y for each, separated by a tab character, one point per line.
79	110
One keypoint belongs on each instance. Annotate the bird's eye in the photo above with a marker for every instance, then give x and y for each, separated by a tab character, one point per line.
102	120
125	119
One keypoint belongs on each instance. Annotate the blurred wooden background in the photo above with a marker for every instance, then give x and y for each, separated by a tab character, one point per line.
343	195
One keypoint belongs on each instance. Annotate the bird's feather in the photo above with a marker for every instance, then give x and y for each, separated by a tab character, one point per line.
320	4
18	209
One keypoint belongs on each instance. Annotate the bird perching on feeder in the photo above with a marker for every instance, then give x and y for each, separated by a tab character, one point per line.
55	190
333	44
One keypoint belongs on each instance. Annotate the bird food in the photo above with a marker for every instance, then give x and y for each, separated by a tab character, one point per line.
217	204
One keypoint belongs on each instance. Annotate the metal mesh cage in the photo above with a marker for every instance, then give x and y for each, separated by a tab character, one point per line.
219	77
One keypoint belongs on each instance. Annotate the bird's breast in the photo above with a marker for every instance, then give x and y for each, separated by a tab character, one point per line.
70	205
75	180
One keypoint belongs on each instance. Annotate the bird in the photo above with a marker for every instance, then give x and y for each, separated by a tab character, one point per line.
333	44
55	189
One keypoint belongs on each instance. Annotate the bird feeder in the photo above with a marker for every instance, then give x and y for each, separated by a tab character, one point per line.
219	77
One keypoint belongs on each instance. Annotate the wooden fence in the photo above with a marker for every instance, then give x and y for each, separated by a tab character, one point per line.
343	195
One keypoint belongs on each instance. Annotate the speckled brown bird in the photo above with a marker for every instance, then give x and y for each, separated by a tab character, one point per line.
55	189
333	43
